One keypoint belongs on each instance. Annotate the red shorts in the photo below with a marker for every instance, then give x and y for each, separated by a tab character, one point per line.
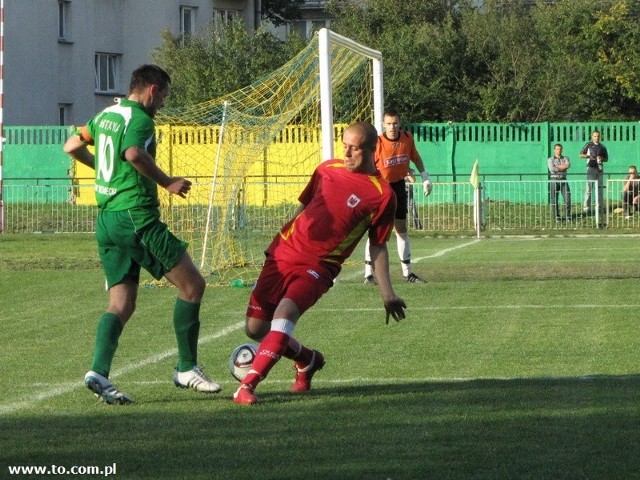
302	285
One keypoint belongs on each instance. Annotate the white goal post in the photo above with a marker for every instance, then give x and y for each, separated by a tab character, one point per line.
325	39
262	143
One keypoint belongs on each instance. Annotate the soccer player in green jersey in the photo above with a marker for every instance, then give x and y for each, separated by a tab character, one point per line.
129	232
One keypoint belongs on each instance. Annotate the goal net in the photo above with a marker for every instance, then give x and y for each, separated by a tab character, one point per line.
251	152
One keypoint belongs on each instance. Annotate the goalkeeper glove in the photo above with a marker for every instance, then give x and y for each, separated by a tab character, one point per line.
426	183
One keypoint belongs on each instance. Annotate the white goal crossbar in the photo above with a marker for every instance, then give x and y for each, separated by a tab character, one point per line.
325	39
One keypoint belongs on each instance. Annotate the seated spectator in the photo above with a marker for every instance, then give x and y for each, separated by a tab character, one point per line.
631	192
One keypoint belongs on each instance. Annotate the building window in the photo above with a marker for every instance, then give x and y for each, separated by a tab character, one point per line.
64	10
187	23
308	28
107	70
222	17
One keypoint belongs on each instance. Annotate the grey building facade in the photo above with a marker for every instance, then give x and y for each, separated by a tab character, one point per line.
66	59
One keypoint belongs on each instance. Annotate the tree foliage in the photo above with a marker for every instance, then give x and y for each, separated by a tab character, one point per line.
214	63
460	60
502	60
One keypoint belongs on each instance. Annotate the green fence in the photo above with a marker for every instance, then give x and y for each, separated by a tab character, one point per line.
519	151
33	156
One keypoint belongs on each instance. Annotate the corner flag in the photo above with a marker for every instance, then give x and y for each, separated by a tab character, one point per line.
477	198
475	181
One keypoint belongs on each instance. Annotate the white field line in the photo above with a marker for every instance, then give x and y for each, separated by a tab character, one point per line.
443	252
65	388
439	253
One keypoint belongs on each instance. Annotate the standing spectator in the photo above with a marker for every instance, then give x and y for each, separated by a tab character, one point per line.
596	155
343	201
394	151
130	234
631	192
558	165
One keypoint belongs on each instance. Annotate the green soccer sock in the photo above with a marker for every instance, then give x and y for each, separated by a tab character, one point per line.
107	335
186	323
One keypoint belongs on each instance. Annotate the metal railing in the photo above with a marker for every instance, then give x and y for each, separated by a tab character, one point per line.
508	207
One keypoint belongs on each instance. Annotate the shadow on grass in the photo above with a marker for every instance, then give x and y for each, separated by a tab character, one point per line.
482	429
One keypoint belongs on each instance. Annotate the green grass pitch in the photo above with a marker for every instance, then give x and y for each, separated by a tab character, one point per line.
518	360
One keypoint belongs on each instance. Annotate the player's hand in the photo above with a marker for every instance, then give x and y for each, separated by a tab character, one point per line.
426	183
395	308
427	187
179	186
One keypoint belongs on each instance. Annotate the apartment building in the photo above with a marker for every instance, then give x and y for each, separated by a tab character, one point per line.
66	59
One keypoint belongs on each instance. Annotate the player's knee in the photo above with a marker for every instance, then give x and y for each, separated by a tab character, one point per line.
124	311
400	229
256	329
253	335
193	290
199	286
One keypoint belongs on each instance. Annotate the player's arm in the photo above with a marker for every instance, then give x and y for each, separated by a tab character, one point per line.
410	177
393	305
144	163
417	161
427	185
76	146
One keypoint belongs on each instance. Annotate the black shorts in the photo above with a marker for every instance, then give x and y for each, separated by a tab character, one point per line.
400	190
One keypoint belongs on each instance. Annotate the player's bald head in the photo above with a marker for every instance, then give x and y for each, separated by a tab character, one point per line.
368	132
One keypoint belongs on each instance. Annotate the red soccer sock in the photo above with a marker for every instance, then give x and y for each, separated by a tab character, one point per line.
270	350
299	353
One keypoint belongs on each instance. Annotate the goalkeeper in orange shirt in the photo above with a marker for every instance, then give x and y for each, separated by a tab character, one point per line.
394	151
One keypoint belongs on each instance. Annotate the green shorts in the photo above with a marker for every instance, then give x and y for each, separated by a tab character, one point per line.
134	238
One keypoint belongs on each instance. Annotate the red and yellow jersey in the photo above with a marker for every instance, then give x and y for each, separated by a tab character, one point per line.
393	156
339	208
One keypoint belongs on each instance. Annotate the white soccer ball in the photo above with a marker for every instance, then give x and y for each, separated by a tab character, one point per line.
241	359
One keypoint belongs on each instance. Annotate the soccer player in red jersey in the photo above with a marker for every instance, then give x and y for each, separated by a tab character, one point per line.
394	151
343	201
